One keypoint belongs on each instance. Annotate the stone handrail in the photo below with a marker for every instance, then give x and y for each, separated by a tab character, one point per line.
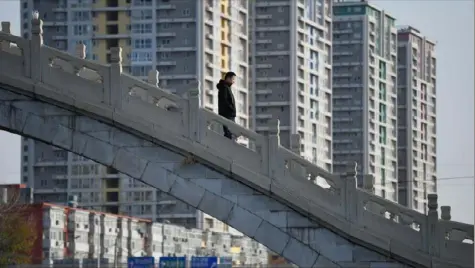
107	91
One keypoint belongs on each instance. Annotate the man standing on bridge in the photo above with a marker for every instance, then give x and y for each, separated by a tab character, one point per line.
226	103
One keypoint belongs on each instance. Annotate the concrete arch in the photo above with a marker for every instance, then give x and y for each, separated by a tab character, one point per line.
269	222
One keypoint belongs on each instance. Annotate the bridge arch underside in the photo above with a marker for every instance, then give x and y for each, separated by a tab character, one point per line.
271	223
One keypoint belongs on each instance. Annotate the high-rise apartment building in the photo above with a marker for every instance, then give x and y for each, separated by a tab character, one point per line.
184	40
291	59
416	118
365	93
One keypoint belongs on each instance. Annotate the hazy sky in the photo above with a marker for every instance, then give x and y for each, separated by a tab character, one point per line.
451	25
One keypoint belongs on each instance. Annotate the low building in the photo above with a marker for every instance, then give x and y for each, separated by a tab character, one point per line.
70	235
15	193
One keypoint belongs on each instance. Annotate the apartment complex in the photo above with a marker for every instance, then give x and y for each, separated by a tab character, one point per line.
291	59
184	40
417	160
364	93
67	235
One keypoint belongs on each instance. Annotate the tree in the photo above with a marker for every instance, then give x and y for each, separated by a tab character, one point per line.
17	231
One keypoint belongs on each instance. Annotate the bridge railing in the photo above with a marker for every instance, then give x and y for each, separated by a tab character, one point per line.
106	88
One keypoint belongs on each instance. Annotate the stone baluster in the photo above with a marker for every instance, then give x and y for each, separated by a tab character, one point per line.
294	167
445	213
6	27
432	234
368	183
351	172
81	51
275	166
114	94
349	193
195	124
153	77
295	143
36	44
5	45
85	72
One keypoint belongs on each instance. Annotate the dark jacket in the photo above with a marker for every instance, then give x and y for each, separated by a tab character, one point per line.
226	103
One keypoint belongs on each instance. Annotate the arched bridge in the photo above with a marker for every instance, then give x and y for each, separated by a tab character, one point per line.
268	192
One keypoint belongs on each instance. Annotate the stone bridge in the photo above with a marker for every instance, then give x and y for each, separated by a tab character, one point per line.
265	191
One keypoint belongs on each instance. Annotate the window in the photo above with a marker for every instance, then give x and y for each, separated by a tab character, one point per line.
145	14
142	43
141	56
382	135
81	29
81	16
165	55
141	28
141	2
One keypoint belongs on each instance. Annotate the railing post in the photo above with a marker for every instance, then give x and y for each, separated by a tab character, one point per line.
275	167
432	236
84	72
445	213
368	183
5	45
35	47
81	51
294	167
153	77
115	93
295	143
193	115
349	198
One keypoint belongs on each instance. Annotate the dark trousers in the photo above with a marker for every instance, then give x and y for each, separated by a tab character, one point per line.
226	131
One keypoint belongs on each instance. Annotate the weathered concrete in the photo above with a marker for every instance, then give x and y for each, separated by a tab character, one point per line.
271	223
162	139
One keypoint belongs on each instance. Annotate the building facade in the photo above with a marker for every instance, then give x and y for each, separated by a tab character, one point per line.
68	235
291	59
184	40
364	93
15	193
417	136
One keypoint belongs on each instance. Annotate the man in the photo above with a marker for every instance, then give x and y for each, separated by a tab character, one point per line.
227	107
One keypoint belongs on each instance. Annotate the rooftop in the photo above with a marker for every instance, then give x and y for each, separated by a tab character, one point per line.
360	2
50	205
408	29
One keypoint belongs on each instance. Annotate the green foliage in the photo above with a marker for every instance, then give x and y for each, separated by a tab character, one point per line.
17	234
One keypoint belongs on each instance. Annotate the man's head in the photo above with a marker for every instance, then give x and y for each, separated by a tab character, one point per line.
230	77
